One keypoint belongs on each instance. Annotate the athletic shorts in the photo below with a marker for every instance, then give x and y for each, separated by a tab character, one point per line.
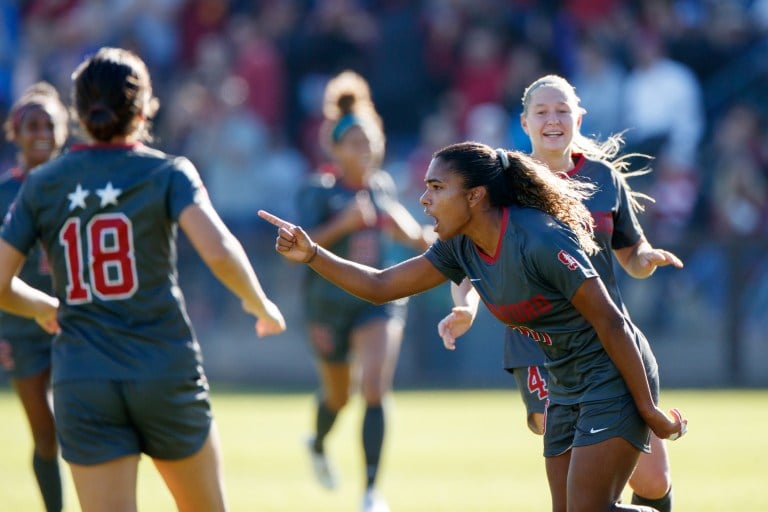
330	328
102	420
28	357
568	426
532	384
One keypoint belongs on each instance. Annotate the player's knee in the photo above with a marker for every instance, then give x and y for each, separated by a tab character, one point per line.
373	395
536	423
650	481
45	443
336	402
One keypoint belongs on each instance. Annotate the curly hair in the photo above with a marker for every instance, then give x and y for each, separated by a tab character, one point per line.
512	177
347	102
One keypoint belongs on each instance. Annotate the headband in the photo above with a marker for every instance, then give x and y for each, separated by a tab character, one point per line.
346	122
18	116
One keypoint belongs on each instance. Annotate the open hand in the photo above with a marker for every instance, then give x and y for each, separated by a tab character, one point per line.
455	324
658	258
48	319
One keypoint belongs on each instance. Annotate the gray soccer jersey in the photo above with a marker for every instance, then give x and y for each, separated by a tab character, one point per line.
616	227
107	215
35	270
528	285
322	198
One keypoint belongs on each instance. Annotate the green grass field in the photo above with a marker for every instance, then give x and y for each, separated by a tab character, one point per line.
447	451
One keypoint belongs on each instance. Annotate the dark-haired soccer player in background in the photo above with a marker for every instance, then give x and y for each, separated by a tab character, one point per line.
37	125
354	210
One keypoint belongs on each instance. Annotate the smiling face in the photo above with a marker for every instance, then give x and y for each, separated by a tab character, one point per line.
36	138
550	119
446	200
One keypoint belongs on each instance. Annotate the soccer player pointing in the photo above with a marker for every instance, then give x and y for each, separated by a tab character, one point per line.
519	232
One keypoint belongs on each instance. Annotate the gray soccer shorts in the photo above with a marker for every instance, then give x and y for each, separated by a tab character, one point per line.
102	420
568	426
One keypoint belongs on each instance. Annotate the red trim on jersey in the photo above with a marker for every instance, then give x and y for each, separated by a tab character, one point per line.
579	161
504	220
17	174
104	145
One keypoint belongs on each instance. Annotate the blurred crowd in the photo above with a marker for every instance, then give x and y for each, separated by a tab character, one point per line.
240	85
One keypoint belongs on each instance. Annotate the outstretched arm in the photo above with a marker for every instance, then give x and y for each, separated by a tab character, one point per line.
224	255
378	286
594	304
641	259
462	315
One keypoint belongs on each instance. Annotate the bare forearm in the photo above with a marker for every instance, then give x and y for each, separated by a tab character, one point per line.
464	295
593	302
360	280
234	271
22	300
620	346
410	231
374	285
642	259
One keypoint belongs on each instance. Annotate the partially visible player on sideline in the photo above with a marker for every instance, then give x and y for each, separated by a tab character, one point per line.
552	119
354	210
521	236
37	124
127	368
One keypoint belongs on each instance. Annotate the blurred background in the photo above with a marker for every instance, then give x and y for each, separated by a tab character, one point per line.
240	84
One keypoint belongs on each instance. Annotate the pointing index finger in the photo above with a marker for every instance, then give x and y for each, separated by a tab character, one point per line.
274	220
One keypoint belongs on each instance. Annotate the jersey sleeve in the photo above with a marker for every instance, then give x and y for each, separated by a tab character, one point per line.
312	200
558	261
626	228
186	187
443	255
18	225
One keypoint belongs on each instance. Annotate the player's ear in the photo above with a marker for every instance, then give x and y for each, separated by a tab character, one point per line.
476	194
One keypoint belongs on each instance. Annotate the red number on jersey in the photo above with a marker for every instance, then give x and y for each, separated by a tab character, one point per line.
111	263
537	383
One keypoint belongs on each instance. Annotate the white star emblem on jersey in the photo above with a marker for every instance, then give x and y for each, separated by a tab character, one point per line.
108	194
77	198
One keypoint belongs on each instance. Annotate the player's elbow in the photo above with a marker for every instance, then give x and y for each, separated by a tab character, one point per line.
221	251
379	295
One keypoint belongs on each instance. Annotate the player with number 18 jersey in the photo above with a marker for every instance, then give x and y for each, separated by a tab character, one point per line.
98	210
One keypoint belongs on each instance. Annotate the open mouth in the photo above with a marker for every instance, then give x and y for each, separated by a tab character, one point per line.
434	219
